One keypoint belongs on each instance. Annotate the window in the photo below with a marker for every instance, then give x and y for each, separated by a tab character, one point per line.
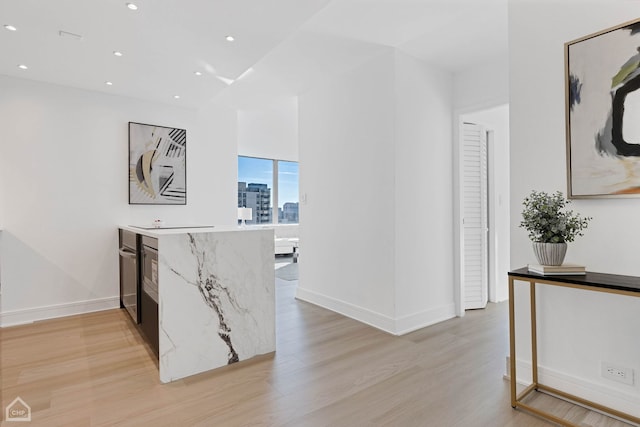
255	179
265	183
287	192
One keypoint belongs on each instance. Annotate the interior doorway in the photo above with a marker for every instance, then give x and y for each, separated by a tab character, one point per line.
482	255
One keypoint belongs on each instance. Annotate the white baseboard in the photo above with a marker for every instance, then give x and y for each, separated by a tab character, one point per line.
616	398
30	315
398	326
358	313
425	318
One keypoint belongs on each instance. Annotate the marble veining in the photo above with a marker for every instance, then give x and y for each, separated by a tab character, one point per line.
217	300
211	291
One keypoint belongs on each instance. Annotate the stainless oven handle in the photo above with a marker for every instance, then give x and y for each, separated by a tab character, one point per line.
127	253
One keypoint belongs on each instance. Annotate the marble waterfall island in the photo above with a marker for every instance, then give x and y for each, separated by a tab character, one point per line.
216	302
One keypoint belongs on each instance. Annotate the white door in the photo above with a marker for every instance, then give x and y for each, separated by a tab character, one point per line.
475	269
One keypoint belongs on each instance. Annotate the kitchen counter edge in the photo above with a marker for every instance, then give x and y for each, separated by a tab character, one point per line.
159	232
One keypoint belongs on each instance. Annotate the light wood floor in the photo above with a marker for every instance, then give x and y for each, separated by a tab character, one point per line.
95	370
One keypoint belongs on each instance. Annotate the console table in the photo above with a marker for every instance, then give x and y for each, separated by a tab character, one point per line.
598	282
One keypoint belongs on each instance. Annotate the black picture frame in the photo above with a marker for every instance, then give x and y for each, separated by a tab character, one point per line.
157	165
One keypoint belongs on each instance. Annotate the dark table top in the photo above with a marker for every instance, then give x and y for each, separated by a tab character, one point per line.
591	279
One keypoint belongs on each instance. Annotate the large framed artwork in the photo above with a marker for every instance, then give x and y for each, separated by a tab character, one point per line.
157	165
603	113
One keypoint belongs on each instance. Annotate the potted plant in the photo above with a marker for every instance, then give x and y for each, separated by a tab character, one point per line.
551	225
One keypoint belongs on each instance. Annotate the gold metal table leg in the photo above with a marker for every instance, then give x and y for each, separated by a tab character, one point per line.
534	334
512	343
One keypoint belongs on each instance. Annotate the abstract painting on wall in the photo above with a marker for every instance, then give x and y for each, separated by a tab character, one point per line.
157	165
603	113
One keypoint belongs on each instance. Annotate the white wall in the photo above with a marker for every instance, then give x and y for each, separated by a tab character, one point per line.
347	173
483	85
270	132
1	203
375	144
423	193
64	178
577	330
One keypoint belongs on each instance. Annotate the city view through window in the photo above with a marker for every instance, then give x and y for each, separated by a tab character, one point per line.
261	182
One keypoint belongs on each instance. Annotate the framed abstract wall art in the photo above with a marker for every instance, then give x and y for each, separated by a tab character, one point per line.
602	78
157	165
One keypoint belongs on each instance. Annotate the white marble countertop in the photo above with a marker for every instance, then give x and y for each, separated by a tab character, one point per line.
167	230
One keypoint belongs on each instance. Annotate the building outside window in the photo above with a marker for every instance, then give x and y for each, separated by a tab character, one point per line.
265	183
255	179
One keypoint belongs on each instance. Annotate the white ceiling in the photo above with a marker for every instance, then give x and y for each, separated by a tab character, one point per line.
281	46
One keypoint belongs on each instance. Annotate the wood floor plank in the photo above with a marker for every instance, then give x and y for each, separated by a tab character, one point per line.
328	370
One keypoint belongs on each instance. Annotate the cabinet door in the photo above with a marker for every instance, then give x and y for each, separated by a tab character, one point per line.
149	321
129	274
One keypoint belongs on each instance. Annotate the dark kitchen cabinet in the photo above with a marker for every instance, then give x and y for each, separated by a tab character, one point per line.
149	294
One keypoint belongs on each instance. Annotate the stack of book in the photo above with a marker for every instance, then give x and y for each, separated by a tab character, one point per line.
555	270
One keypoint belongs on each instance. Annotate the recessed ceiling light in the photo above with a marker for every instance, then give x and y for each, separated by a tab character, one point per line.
197	73
117	53
22	67
108	83
10	27
132	6
229	38
176	96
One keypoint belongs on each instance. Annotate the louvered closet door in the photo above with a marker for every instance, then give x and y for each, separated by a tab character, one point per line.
474	209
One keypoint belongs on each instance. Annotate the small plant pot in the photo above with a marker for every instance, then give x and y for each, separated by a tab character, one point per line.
550	253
